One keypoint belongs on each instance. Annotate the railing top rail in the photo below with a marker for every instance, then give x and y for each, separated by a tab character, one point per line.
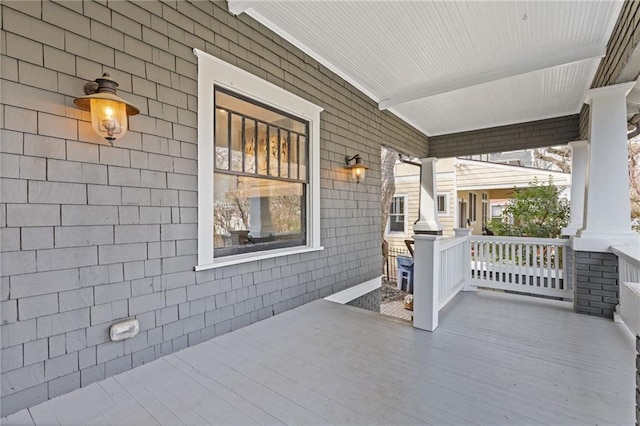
628	253
451	242
522	240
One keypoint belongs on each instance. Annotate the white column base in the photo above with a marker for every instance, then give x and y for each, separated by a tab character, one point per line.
600	242
571	230
428	227
425	281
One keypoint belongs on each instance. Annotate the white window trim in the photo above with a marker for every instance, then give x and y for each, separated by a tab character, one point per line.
216	72
484	204
405	233
446	204
491	206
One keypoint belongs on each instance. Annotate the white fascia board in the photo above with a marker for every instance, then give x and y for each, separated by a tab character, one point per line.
538	64
238	6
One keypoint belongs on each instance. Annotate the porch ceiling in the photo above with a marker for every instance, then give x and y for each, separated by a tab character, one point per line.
452	66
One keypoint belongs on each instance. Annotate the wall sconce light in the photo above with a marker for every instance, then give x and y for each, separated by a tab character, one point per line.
358	169
109	112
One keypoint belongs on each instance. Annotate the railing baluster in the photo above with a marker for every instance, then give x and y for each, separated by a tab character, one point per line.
512	263
530	262
556	258
499	267
520	259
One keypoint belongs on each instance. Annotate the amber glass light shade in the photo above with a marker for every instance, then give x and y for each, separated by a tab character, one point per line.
109	118
358	172
109	112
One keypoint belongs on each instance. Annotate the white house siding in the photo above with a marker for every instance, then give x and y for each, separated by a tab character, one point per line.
92	234
476	175
457	178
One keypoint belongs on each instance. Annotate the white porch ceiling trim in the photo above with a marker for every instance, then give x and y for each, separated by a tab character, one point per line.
563	58
238	6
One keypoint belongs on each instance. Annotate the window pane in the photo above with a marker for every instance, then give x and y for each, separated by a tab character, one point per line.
293	165
273	151
284	153
397	205
236	142
250	146
267	115
441	204
263	141
222	142
302	157
262	149
396	224
253	214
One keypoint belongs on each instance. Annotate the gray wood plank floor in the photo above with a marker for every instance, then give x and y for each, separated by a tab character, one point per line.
496	359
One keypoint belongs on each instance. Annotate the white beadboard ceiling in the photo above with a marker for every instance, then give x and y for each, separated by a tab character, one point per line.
452	66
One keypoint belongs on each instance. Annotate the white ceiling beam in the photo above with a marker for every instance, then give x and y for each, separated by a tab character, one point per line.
238	6
538	64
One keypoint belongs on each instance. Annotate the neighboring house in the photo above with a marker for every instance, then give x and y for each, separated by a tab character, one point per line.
470	194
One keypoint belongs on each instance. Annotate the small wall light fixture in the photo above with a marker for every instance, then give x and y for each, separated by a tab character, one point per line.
109	112
124	330
358	169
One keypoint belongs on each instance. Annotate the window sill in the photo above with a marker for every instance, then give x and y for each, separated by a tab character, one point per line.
252	257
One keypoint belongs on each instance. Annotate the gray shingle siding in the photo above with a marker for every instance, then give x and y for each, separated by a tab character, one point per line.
623	41
534	134
92	233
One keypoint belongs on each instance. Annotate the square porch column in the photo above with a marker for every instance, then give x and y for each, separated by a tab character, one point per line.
607	218
579	163
607	213
428	222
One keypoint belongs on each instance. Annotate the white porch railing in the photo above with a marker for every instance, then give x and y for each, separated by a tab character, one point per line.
444	267
454	255
629	270
526	265
441	269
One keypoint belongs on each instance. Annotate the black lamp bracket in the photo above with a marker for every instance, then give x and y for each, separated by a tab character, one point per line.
356	157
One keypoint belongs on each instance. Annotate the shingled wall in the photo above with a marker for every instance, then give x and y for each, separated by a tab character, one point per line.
92	234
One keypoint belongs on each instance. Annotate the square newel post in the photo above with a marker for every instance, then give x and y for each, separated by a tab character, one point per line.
428	222
579	162
466	260
426	270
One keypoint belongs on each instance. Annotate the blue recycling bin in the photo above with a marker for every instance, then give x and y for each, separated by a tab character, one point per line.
405	273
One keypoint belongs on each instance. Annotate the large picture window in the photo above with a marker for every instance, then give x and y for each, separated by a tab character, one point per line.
258	168
260	180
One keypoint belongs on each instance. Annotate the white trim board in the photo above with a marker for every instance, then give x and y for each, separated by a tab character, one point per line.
345	296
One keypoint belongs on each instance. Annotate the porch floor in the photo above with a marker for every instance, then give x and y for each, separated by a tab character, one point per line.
496	359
